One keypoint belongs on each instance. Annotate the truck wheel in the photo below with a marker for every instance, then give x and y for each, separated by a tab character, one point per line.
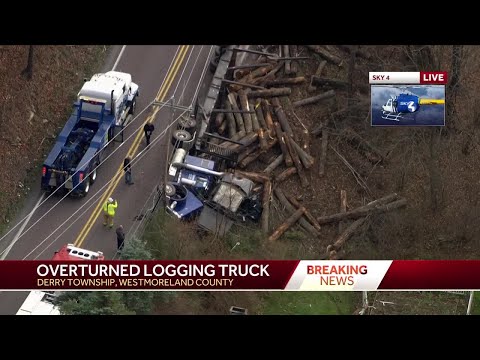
220	50
87	187
133	106
93	176
213	64
179	136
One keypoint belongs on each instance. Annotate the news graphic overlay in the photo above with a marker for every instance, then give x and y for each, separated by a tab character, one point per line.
408	98
251	275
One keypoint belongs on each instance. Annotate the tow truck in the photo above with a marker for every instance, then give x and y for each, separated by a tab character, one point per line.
43	302
104	106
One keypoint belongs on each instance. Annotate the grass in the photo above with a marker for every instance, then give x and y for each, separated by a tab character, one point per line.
309	303
476	304
418	303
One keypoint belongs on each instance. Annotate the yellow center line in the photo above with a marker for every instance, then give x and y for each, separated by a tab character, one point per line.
93	217
134	147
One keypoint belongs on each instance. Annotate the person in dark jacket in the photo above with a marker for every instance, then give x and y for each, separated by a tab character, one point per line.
120	237
127	167
148	129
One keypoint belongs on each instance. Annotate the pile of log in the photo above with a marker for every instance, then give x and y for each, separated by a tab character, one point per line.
256	112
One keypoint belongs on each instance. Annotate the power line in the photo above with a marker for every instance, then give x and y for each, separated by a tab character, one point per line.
106	144
142	222
137	158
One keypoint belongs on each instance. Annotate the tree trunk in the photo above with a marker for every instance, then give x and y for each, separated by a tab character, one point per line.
318	72
249	159
231	125
306	159
267	194
268	116
236	137
262	139
255	123
239	85
282	118
246	141
435	177
347	234
288	81
308	215
245	154
261	118
343	209
273	165
361	212
323	81
257	177
247	118
285	174
457	51
287	224
325	54
291	209
238	116
323	154
286	53
269	93
283	145
314	99
28	71
296	161
351	71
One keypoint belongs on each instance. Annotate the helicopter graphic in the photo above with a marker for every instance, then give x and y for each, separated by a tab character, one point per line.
404	106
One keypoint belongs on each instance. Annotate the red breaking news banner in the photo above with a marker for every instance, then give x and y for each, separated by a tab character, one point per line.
203	275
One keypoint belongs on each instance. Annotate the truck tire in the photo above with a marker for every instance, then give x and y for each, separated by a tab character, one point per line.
179	136
87	187
93	176
133	106
213	64
170	190
187	123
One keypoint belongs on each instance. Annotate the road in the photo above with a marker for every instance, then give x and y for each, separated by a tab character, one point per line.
165	73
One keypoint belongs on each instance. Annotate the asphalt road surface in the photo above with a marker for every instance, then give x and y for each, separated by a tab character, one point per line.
164	73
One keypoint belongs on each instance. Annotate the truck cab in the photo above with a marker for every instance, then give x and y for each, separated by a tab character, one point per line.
116	89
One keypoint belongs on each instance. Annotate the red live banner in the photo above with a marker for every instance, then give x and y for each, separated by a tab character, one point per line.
256	275
433	77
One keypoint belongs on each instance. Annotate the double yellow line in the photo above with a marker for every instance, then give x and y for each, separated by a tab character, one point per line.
162	93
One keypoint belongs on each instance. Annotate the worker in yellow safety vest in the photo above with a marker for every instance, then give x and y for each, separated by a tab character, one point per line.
109	212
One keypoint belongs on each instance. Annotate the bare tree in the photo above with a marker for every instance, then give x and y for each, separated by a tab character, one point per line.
457	52
435	176
28	71
453	86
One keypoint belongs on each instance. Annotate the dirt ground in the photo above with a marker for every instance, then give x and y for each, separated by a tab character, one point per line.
32	112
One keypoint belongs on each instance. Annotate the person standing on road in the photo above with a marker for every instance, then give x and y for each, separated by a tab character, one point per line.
127	167
109	212
120	237
148	129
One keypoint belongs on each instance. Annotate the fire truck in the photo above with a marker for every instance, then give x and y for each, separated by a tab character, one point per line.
43	302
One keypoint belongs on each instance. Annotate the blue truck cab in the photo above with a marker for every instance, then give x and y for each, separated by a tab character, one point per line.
104	104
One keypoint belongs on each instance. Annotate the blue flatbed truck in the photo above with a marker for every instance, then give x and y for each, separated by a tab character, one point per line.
104	105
